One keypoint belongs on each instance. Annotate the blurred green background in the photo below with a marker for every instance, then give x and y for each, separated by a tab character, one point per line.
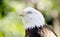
11	24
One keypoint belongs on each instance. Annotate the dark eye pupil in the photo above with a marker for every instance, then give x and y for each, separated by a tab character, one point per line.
29	12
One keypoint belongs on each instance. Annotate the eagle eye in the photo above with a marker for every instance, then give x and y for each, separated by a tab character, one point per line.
29	12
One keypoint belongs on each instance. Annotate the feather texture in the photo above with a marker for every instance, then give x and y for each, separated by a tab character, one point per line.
44	31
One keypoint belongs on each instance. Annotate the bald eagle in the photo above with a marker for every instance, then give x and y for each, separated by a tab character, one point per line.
34	24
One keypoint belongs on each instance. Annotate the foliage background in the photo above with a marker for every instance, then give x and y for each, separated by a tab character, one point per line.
11	24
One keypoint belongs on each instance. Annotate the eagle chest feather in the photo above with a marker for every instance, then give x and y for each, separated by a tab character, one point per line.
44	31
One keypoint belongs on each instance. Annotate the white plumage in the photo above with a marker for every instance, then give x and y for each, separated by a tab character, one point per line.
32	18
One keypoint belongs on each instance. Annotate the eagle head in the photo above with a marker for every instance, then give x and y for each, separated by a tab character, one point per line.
32	18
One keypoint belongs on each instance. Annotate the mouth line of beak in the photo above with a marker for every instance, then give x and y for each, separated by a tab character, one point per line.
21	15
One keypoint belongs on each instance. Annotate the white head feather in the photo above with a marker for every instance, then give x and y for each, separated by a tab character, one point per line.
32	18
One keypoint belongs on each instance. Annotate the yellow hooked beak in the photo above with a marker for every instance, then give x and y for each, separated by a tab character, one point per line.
22	14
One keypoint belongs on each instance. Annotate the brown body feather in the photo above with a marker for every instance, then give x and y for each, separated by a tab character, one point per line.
44	31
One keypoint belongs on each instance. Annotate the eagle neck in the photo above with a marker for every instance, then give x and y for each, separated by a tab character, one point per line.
33	25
